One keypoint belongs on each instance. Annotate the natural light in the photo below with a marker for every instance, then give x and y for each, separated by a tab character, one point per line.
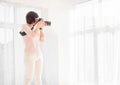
95	43
86	54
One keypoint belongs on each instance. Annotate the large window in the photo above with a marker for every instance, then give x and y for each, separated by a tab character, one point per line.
95	43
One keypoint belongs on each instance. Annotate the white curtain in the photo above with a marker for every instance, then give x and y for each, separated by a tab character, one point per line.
6	45
95	43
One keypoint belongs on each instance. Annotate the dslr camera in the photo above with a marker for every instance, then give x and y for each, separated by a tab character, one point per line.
48	23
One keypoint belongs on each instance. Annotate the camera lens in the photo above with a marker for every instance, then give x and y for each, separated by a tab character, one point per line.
48	23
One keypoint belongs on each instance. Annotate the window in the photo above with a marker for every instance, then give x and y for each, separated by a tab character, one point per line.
95	43
6	43
6	13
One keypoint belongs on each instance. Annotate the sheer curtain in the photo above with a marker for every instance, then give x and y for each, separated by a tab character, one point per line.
6	45
95	43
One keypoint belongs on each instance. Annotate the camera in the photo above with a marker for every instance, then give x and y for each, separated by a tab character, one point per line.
48	23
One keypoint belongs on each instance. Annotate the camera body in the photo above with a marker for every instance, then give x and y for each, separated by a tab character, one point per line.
48	23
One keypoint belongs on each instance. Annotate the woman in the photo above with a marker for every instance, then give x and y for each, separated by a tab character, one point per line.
33	55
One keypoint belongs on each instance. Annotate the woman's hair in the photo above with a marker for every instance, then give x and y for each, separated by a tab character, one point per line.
30	17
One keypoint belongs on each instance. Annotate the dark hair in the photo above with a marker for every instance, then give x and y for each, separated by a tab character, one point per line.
30	17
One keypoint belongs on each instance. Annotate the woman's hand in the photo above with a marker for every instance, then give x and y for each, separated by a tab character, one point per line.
40	24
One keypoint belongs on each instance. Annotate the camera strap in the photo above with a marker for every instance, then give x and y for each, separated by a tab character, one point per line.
23	33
